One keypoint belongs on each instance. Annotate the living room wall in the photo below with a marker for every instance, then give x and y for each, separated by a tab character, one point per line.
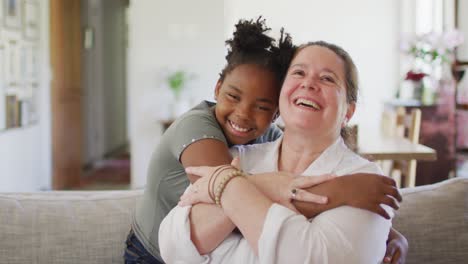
25	152
165	36
367	29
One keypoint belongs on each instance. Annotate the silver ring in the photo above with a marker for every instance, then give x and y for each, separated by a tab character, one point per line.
293	193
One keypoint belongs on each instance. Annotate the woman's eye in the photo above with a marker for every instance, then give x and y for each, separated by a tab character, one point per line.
298	72
328	79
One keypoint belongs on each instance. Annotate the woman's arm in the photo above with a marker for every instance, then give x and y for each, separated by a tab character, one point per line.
208	224
357	230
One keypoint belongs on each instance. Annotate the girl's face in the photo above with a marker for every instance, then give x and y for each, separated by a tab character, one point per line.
247	102
313	96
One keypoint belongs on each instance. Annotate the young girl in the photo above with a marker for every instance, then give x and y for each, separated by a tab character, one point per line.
247	95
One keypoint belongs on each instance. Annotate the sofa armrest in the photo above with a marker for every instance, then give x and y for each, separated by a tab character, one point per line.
434	219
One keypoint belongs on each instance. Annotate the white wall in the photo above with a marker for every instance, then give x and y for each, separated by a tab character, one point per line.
191	36
25	153
168	35
367	29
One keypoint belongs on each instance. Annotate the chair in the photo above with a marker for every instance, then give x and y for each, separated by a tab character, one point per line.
401	124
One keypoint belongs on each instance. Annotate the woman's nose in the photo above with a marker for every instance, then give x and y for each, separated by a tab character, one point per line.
309	83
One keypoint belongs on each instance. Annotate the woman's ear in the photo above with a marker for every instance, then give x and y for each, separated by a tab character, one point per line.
217	88
349	114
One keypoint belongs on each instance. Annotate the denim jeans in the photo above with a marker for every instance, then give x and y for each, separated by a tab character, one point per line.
135	253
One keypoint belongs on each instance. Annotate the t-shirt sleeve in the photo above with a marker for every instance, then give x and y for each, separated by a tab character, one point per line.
192	128
272	134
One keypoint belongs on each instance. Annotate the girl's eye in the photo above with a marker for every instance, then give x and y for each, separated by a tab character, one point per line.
263	108
235	97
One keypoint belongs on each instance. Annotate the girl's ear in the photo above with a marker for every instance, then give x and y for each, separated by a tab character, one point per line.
275	116
217	88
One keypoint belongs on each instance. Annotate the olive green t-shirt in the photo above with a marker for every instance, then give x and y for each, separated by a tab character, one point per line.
166	179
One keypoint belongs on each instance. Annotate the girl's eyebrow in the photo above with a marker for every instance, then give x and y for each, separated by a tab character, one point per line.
264	100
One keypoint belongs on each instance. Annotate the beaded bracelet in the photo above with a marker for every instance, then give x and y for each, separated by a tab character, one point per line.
213	177
222	185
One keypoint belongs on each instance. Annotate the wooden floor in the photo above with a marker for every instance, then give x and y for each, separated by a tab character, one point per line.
109	174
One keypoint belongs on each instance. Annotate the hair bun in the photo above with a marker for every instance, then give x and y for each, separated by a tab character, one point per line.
250	36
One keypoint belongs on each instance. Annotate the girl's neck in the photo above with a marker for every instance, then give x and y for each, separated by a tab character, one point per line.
298	151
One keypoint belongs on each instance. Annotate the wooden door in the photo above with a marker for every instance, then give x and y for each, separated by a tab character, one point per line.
65	45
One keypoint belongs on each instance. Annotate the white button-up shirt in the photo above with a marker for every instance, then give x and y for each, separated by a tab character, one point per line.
341	235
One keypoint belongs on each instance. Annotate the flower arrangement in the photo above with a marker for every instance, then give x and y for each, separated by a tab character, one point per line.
430	58
415	76
432	47
176	82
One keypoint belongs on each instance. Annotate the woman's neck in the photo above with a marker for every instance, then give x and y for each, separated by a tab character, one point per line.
298	151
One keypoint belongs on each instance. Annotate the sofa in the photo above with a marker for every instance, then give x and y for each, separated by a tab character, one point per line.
91	226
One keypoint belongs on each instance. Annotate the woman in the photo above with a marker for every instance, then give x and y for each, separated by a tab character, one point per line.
317	100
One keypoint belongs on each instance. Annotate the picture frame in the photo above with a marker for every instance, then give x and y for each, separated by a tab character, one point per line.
461	23
2	67
31	19
2	112
12	111
2	16
12	13
12	62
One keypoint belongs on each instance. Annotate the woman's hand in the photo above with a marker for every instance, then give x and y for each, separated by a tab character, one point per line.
369	191
198	192
397	248
280	186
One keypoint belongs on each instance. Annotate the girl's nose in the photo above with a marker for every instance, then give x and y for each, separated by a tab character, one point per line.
243	111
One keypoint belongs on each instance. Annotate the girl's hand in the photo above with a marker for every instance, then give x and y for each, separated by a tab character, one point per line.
369	191
397	248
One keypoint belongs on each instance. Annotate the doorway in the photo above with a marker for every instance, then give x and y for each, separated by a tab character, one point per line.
89	111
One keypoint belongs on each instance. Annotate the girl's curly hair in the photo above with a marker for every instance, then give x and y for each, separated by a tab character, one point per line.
251	45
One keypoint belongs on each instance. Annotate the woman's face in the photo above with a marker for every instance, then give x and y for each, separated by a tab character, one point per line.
247	101
313	96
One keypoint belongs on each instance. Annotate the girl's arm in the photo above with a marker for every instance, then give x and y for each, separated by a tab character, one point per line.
361	190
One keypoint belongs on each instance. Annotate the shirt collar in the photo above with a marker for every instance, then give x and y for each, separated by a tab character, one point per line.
327	162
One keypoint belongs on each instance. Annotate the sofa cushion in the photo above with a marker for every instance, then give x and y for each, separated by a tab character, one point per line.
434	219
65	227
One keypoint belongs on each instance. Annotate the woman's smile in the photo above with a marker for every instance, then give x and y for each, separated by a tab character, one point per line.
309	104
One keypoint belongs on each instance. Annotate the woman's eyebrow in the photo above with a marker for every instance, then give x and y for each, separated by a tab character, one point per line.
300	65
330	71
